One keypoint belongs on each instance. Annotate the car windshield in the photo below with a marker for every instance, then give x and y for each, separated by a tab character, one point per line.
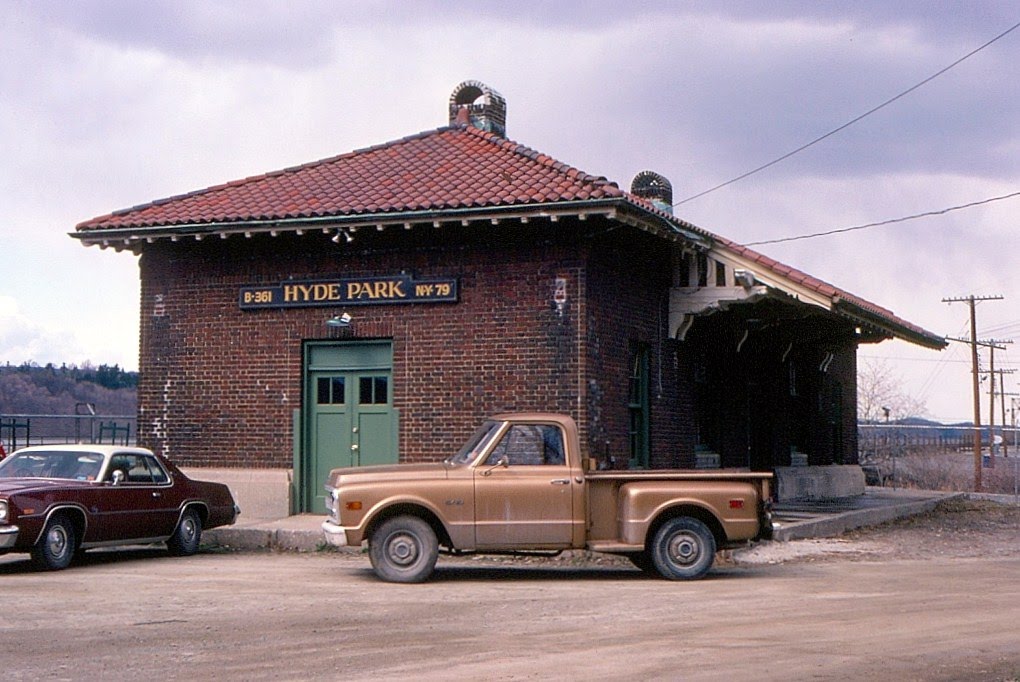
74	466
478	441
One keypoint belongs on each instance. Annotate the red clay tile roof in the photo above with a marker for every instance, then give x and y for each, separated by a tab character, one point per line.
448	168
456	167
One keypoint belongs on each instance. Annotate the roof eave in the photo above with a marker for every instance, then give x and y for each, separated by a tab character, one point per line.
613	208
915	335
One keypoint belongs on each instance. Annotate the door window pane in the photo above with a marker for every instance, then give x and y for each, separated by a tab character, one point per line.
330	390
373	390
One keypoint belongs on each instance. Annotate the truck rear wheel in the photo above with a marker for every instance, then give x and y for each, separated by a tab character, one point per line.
683	549
403	549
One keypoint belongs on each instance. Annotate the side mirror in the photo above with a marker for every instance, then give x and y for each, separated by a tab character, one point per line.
118	476
503	461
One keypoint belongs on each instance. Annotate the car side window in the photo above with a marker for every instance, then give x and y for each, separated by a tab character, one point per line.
156	472
138	469
530	445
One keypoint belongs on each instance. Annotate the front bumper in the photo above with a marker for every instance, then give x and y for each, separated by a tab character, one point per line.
336	535
8	536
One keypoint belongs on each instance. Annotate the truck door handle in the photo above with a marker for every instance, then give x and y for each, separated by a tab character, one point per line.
560	481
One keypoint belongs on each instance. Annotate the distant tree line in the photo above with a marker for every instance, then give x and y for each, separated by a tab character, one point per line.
33	389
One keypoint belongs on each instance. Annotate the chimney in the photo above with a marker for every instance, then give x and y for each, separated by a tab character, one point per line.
655	188
480	106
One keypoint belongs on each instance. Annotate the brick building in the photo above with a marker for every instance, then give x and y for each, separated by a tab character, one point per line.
374	306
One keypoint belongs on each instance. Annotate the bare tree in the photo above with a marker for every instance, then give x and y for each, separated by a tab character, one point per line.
880	388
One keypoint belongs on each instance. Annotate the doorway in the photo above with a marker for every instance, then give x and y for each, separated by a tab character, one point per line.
347	412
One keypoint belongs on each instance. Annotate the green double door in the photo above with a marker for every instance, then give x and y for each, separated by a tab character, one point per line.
348	412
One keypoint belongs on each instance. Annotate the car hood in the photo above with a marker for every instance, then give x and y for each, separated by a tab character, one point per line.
389	472
10	486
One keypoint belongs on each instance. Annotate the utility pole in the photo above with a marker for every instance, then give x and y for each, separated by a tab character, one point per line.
972	302
1003	393
992	345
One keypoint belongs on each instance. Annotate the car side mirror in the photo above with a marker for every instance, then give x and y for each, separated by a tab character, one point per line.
503	461
118	476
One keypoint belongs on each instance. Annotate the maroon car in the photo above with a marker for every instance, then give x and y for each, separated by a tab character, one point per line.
59	500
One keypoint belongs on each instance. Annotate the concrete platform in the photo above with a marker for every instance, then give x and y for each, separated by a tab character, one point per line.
794	521
828	518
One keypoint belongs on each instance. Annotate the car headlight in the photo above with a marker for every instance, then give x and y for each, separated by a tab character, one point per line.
3	511
332	499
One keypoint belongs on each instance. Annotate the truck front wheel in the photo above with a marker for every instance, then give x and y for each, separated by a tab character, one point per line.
403	549
683	549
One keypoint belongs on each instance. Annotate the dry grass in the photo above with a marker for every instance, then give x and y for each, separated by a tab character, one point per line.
951	472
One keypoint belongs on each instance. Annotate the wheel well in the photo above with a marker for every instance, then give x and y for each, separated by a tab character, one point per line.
203	511
699	513
410	510
77	518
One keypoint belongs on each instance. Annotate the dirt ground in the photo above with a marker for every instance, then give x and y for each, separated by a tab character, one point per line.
934	597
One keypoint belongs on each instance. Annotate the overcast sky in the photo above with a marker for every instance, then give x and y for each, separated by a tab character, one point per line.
105	105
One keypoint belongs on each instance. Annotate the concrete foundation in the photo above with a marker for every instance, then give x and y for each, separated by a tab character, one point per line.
819	482
260	493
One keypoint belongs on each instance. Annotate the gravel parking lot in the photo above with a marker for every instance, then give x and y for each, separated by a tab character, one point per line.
928	598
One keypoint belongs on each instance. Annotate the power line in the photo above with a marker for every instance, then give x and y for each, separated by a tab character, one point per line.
850	122
891	221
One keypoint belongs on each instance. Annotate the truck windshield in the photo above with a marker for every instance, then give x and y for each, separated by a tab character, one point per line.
478	441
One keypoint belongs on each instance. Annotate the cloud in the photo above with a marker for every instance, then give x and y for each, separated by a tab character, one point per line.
23	340
109	104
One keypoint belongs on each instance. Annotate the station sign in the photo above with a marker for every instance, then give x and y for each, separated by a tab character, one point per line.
346	292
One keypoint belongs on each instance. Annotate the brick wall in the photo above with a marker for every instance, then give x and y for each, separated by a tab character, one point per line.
629	277
548	317
219	384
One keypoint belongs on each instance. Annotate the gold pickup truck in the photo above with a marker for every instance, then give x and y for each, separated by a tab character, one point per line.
519	485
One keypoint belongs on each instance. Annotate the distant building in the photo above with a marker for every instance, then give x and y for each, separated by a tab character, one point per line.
374	306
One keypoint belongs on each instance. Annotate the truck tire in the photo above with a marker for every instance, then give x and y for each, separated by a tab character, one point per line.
403	549
683	549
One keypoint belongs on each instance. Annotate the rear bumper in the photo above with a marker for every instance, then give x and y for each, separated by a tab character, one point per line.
8	536
335	535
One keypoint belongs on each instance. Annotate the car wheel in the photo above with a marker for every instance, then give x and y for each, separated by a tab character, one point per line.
56	547
403	549
683	549
184	541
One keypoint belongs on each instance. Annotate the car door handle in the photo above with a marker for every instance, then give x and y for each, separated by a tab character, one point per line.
157	494
560	481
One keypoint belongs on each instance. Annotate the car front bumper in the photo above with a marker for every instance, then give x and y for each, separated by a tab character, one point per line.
8	536
336	535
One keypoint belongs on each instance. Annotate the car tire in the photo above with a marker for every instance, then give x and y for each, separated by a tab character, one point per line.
187	535
56	547
683	549
403	549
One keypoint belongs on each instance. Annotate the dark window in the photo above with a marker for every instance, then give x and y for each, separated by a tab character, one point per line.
720	275
330	390
373	390
639	408
684	271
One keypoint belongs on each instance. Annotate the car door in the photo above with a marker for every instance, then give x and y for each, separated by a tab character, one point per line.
142	505
524	491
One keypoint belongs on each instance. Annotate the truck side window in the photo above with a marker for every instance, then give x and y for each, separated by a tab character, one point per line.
530	445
